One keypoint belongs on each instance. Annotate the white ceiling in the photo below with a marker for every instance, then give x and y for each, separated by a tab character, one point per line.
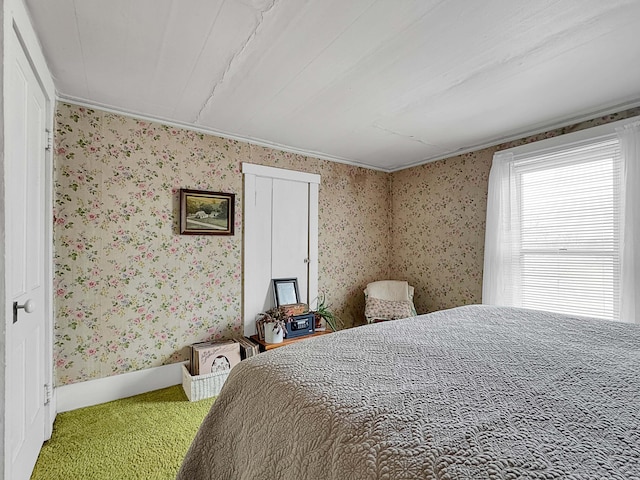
385	84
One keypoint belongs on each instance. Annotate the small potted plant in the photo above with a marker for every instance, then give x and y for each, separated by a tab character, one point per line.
323	313
271	326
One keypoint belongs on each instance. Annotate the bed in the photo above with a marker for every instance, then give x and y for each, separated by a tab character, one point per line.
474	392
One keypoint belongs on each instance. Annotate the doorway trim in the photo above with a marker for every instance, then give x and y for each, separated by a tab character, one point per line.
252	237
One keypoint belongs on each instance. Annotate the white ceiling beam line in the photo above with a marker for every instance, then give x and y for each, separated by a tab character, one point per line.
200	52
236	56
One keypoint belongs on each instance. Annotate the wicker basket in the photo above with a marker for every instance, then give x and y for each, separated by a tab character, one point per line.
199	387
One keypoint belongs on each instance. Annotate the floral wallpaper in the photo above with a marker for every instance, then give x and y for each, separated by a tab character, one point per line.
130	292
439	213
438	222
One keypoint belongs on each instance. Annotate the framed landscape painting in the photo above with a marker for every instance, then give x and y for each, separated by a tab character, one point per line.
206	213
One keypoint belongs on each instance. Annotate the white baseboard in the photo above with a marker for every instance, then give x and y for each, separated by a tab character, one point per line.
93	392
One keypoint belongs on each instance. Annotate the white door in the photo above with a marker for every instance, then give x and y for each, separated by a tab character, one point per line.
280	236
25	123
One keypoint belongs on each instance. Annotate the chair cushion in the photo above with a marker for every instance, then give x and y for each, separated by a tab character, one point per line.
377	308
390	290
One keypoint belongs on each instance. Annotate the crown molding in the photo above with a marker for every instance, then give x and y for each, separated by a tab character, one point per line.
542	128
210	131
608	110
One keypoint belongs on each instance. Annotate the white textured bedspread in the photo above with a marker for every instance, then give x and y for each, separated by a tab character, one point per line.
470	393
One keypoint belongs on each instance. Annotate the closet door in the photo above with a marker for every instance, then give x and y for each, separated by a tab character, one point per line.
280	236
290	233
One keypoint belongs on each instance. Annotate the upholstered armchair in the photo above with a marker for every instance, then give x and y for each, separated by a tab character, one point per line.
388	300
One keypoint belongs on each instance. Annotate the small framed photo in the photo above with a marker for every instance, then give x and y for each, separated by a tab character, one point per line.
206	213
285	291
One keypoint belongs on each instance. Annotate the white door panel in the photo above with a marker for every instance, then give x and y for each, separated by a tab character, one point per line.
25	146
261	273
290	232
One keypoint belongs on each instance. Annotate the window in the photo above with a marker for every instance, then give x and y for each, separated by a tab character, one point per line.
567	209
556	226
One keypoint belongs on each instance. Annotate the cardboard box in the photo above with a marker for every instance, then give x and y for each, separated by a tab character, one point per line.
213	357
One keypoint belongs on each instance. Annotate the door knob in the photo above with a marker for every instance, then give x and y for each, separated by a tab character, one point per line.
28	306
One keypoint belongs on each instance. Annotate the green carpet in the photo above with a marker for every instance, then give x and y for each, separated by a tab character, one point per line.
143	437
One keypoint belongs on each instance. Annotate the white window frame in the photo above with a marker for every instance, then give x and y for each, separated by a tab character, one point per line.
498	282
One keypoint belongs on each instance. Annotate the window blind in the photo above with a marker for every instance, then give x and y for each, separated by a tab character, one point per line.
565	226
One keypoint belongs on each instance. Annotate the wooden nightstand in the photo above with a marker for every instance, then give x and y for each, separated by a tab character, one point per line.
264	346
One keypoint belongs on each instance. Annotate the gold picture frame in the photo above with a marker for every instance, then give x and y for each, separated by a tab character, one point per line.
206	213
